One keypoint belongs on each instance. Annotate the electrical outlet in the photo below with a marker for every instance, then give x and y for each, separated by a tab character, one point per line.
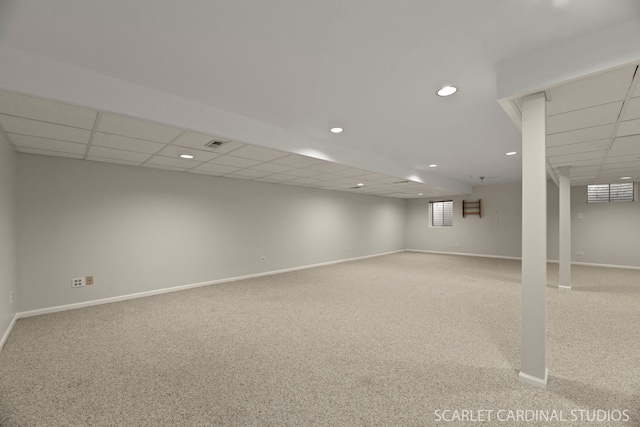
89	280
11	296
263	259
580	253
77	282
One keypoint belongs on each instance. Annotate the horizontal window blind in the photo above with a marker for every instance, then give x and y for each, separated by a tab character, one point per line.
610	193
442	214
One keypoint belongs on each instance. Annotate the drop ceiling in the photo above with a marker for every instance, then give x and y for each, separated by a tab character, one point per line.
42	127
137	82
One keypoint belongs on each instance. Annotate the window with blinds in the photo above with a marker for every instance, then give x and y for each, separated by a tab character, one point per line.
610	193
441	213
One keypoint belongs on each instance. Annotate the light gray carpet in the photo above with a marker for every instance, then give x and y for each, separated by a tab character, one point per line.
385	341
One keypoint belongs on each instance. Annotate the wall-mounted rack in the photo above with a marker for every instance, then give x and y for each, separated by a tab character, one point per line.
472	208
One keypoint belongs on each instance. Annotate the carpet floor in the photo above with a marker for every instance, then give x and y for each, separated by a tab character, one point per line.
407	339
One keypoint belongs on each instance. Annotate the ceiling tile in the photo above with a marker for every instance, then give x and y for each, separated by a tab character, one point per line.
125	143
303	173
214	169
633	109
49	153
228	147
271	167
631	127
116	161
576	163
236	162
280	177
173	162
581	135
30	127
54	145
326	177
586	169
46	111
133	128
602	144
250	173
351	172
631	164
165	167
192	140
199	155
591	155
258	153
327	167
602	88
110	153
297	161
620	161
587	117
625	146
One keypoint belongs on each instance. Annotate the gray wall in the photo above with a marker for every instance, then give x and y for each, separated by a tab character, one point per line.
497	233
8	235
138	229
608	233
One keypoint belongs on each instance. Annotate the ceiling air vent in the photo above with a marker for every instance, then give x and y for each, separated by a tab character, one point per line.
216	143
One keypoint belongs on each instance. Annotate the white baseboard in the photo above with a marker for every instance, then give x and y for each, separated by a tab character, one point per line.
465	254
591	264
65	307
552	261
8	331
534	381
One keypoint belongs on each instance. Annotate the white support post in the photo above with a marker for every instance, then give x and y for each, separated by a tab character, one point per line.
533	329
565	228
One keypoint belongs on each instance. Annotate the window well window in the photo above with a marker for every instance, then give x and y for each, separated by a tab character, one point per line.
610	193
441	213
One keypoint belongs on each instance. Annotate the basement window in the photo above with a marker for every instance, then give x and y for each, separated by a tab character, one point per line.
441	213
604	193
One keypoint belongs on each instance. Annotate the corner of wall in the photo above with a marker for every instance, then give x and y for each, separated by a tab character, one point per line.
8	239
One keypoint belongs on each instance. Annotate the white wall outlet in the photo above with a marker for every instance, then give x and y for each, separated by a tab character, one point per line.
580	253
77	282
263	258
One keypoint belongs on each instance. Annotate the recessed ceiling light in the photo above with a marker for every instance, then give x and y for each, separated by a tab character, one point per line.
420	194
360	184
336	130
447	90
511	153
433	166
186	156
626	177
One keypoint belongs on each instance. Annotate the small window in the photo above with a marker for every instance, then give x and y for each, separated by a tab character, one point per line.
441	213
610	193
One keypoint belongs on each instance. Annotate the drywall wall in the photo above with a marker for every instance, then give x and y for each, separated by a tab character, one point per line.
8	237
497	233
139	229
607	233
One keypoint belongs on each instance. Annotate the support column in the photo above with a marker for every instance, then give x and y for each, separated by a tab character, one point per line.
564	185
533	329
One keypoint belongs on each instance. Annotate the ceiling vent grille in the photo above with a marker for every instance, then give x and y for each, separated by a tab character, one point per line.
216	143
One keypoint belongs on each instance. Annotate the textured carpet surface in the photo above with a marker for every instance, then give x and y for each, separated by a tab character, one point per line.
406	339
